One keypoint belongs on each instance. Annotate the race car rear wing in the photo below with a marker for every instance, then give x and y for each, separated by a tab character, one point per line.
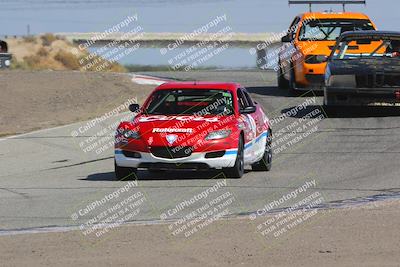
327	2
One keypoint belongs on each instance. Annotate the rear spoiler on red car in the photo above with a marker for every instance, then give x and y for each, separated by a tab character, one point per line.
327	2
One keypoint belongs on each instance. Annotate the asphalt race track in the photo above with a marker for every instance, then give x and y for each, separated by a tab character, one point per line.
46	177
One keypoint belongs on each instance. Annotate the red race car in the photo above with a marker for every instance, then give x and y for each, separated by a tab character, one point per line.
195	126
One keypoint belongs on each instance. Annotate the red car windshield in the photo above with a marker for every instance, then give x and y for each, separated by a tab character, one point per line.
198	102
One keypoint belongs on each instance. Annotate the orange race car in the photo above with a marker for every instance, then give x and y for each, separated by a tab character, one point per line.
309	41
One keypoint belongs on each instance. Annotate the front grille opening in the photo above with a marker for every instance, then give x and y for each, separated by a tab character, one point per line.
174	166
216	154
171	152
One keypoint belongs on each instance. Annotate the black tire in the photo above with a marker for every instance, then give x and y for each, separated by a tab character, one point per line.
326	102
265	164
330	107
292	82
329	100
237	170
124	173
282	82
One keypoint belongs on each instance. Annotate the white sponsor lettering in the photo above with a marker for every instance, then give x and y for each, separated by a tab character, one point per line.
179	118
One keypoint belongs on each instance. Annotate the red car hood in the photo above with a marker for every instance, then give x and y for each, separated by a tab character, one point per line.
161	130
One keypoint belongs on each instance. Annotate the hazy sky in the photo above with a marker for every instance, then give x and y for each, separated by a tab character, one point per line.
168	15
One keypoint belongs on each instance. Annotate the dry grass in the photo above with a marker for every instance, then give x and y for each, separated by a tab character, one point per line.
19	65
115	67
30	39
50	52
98	63
48	39
36	62
42	52
32	62
69	60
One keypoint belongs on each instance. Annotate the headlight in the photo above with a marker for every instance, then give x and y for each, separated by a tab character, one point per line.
130	134
218	134
315	59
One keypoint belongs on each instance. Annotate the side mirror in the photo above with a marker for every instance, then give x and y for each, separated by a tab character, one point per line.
134	107
286	39
248	110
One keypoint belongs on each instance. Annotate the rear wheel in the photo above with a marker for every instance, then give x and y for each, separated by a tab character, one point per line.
124	173
265	164
237	170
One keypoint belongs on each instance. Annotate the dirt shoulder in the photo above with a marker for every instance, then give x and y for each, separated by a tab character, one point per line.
32	100
367	236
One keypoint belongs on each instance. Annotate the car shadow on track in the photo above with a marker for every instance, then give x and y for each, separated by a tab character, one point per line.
343	112
267	91
101	176
167	175
275	91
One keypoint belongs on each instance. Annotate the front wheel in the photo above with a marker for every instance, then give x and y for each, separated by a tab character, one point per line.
292	82
282	82
329	104
237	170
331	99
124	173
265	164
